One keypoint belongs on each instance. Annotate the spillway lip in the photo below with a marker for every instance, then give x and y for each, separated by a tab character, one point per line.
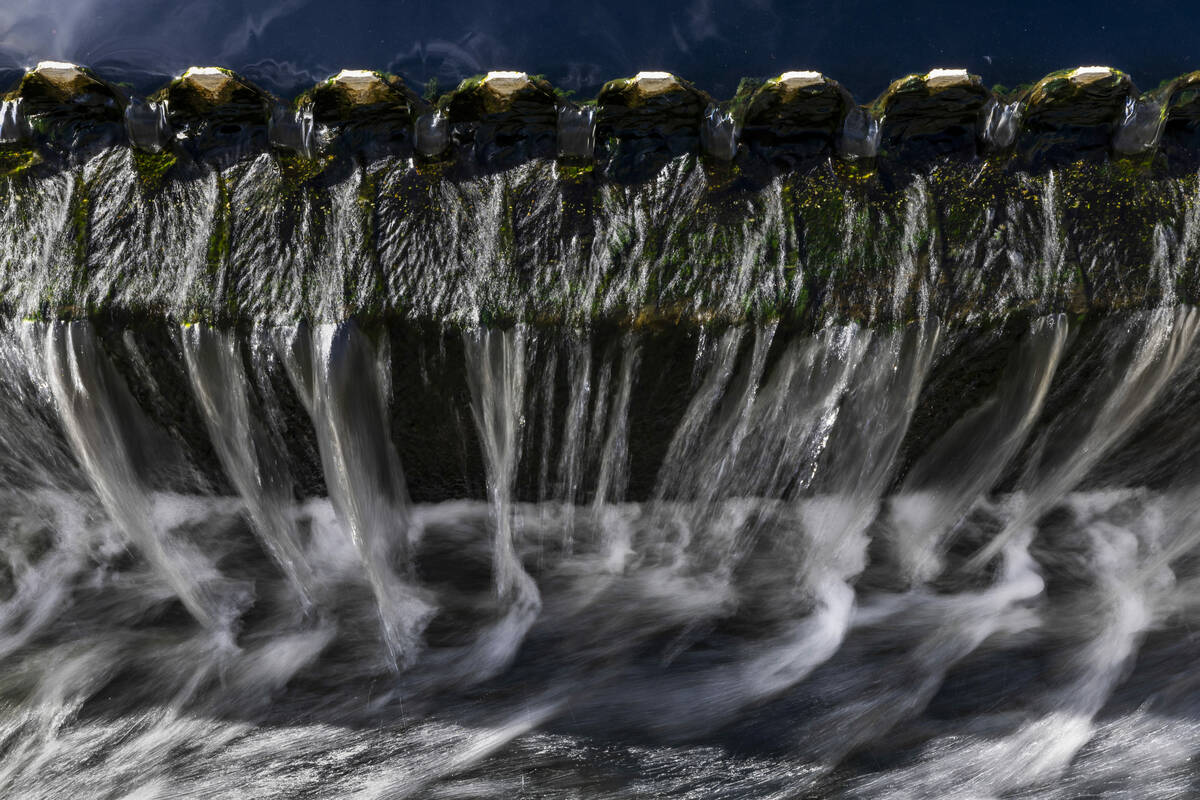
359	85
350	75
944	78
211	80
799	79
204	72
652	82
66	98
67	77
1089	74
506	82
56	66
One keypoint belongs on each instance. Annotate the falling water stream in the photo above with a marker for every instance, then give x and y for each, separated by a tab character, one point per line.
537	549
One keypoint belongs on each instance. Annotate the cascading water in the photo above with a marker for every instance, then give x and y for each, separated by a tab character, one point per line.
292	130
1002	123
147	127
13	125
576	132
686	455
859	135
1140	128
345	386
795	557
718	136
432	134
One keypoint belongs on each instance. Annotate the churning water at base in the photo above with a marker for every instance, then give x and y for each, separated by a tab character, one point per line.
839	576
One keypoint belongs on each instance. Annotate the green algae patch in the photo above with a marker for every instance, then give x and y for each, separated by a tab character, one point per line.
79	225
17	160
739	104
296	171
1114	212
219	251
574	173
153	168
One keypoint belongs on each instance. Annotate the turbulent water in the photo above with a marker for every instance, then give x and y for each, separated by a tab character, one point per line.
829	574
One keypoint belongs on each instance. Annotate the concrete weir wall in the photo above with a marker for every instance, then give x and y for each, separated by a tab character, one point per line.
213	200
503	117
624	244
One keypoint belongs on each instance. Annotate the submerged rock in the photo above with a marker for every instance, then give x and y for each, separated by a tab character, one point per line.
925	117
502	119
794	120
217	114
1072	115
645	121
68	106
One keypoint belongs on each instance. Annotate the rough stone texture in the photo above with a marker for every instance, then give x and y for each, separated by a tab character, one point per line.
925	117
220	114
645	121
1180	142
793	120
502	119
790	123
1071	115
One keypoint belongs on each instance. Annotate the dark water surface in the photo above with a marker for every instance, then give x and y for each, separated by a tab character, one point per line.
286	45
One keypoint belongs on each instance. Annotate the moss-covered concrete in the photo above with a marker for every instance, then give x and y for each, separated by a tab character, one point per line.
930	116
655	231
793	121
646	120
69	108
219	115
1071	115
1179	145
368	114
502	119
